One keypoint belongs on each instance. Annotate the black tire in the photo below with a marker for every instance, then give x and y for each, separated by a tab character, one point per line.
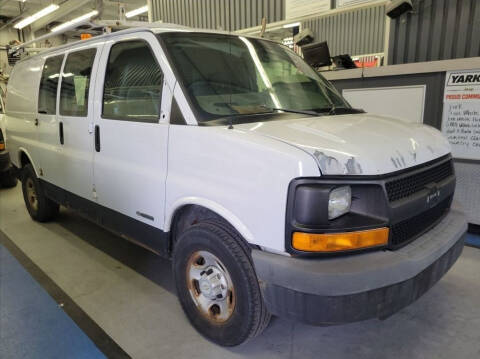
40	208
249	316
8	179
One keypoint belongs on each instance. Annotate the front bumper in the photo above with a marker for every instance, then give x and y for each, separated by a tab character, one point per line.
377	284
4	161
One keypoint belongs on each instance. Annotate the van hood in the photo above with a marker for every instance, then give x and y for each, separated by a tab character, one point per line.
360	144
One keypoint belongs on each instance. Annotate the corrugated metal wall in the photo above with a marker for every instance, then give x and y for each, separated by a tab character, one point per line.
436	30
227	15
356	32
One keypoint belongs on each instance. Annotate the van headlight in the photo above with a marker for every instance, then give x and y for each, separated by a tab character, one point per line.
338	215
339	201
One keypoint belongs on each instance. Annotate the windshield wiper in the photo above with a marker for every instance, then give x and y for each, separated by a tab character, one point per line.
304	112
333	110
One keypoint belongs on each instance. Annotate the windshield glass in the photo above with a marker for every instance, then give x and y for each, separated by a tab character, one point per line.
228	75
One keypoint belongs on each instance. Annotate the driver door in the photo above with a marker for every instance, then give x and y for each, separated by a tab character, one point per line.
131	133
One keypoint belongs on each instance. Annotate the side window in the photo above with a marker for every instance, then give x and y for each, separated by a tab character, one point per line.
76	83
133	83
47	95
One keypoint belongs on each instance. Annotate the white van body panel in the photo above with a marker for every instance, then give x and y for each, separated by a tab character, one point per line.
237	172
360	144
21	110
75	157
131	167
48	139
214	207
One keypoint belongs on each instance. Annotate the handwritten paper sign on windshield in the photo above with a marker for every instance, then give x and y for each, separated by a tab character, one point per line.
461	113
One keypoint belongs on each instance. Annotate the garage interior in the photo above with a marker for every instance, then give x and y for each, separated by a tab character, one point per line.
71	289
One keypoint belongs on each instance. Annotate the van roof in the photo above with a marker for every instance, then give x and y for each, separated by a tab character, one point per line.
154	28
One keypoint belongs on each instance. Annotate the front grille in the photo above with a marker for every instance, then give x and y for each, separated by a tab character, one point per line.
409	185
407	230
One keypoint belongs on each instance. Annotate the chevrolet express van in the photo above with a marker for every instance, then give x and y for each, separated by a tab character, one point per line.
233	157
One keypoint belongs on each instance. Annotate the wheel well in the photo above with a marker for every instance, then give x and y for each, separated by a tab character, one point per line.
191	214
24	160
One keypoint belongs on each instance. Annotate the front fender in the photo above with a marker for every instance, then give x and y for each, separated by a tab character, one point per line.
214	207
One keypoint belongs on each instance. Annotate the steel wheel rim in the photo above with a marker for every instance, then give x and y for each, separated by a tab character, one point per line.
210	286
31	194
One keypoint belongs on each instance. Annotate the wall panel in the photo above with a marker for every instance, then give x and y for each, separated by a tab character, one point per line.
355	32
436	30
227	15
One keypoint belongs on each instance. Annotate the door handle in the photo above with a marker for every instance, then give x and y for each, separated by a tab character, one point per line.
36	122
60	130
97	138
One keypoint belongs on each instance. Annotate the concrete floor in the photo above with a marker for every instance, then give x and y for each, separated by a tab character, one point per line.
129	293
31	322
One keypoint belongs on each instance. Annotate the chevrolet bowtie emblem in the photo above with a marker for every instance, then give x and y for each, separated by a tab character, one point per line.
433	194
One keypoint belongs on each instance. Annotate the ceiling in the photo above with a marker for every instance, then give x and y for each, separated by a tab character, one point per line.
10	9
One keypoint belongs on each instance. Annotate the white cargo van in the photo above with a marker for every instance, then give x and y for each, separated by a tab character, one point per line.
230	155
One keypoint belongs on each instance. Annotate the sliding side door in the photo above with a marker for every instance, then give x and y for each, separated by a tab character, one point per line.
75	121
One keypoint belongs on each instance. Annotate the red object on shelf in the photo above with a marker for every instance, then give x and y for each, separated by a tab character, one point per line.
361	64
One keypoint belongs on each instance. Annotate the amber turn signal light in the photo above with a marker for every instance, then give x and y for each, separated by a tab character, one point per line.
2	146
337	242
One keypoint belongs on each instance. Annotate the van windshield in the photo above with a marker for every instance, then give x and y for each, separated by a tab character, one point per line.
229	76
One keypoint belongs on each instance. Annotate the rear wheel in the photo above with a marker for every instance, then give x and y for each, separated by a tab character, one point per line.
217	286
40	208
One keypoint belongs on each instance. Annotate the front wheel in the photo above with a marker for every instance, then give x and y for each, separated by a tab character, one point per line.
217	286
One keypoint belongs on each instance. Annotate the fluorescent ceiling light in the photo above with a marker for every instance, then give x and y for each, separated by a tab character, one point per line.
27	21
294	24
136	12
74	21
